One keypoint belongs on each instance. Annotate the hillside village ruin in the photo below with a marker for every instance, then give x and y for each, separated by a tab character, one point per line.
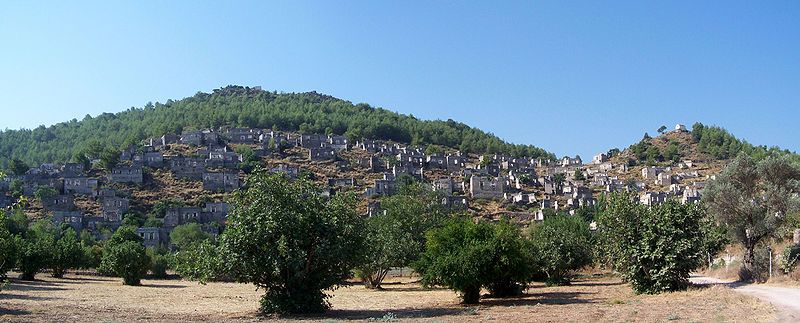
491	186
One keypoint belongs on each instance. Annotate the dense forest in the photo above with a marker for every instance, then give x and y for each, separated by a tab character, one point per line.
238	106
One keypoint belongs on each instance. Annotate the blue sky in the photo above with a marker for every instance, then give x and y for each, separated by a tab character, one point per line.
572	77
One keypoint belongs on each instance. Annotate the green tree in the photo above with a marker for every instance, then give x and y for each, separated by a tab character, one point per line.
578	176
159	262
67	253
122	235
45	194
397	238
465	256
128	260
9	248
655	248
109	158
285	237
18	167
753	199
187	235
561	244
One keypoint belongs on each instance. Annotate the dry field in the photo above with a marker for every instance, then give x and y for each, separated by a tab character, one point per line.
89	298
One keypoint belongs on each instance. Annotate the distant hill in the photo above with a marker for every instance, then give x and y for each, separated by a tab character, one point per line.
238	106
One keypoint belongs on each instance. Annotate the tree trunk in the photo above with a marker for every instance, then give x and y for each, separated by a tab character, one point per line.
748	271
58	273
472	295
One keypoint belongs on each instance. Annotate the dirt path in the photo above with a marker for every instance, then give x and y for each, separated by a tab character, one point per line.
786	299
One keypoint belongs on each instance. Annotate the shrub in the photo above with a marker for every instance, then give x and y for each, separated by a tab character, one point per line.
159	262
465	256
187	235
655	248
791	255
561	244
285	237
67	253
129	261
122	235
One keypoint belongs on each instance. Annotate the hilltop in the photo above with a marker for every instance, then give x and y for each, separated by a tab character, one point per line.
237	106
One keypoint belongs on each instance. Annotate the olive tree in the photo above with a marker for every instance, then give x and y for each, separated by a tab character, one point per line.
67	252
397	238
287	238
128	260
561	244
752	198
466	256
653	248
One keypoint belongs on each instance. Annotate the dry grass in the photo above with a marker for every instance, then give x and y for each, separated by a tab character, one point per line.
85	298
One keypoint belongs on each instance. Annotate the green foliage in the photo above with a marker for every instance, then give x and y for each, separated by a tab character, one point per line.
791	255
720	144
397	238
655	248
17	166
45	193
160	259
67	253
561	244
578	176
122	235
200	262
9	248
244	107
753	198
161	207
285	237
109	158
188	235
37	249
465	256
152	222
128	260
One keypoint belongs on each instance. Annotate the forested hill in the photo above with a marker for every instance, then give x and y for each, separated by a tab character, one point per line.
238	106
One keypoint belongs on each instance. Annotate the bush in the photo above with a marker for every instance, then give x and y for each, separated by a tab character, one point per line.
159	262
9	249
37	249
655	248
187	235
67	253
465	256
791	255
129	261
122	235
561	244
285	237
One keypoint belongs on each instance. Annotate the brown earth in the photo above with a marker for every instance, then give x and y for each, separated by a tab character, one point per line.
89	298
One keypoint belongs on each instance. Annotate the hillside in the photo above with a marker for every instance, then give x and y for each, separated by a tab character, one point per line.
236	106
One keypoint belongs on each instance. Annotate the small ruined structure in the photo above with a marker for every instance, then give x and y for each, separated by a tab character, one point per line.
481	187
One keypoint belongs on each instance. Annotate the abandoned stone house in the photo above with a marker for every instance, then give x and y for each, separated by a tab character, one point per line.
72	170
680	128
663	179
74	219
289	171
455	163
569	161
492	169
341	182
187	167
59	203
153	159
167	139
126	174
691	195
481	187
215	212
312	141
242	135
220	181
128	153
444	185
181	215
521	198
651	172
223	158
407	169
374	209
192	138
151	237
81	185
652	198
436	162
338	143
114	208
455	202
599	159
382	187
368	145
373	163
321	153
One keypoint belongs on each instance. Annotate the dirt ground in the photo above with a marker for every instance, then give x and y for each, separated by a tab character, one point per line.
90	298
